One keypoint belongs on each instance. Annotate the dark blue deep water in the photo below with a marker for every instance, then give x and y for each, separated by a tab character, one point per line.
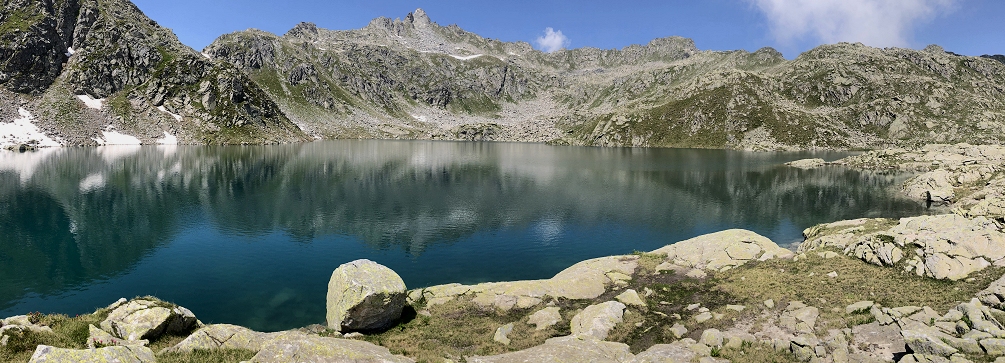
250	234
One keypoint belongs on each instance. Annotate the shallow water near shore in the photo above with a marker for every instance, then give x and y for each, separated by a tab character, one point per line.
249	235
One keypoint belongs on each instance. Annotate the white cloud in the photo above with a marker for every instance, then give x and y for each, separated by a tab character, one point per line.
879	23
552	40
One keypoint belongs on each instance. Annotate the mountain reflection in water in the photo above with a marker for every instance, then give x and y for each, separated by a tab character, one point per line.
250	234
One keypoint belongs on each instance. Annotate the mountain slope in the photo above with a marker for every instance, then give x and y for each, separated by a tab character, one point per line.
412	78
64	55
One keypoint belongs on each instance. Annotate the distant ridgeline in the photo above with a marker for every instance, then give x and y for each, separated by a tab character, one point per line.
89	72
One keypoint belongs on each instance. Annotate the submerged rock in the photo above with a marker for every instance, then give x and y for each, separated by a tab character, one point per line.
364	295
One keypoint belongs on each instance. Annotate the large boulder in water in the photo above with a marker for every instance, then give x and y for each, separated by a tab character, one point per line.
148	318
364	295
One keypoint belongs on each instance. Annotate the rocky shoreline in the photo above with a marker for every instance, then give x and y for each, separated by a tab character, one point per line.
919	289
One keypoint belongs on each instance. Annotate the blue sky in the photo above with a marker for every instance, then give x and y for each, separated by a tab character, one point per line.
971	27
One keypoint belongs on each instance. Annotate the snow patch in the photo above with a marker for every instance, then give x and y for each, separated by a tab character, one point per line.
70	52
92	182
168	139
470	57
91	102
24	131
117	138
177	117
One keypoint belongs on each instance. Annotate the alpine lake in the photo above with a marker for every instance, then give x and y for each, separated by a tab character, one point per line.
249	235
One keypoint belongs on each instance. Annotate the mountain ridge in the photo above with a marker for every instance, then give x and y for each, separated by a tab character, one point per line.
411	78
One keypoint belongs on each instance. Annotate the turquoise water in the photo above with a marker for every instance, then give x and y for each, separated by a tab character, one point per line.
249	235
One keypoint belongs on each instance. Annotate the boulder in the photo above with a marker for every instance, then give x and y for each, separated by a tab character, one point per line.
545	318
994	295
301	347
596	321
722	250
630	297
861	306
931	341
222	336
118	354
807	163
564	350
676	352
939	184
100	338
364	295
147	318
712	338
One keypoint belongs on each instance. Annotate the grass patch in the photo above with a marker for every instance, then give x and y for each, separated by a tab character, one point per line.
461	328
68	332
806	280
207	356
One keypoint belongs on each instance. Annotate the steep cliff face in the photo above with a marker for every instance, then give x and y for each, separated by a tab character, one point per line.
136	77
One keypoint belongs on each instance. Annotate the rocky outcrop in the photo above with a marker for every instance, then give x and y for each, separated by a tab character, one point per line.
585	280
148	319
301	347
120	354
364	295
947	246
721	251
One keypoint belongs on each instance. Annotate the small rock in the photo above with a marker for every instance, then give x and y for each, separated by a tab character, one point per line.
737	308
861	306
770	304
354	335
693	306
832	274
712	338
703	317
364	295
545	318
502	332
630	297
678	330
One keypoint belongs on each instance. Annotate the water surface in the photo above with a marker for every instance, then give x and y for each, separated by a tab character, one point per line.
249	235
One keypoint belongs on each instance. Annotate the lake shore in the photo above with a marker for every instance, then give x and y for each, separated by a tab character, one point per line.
918	289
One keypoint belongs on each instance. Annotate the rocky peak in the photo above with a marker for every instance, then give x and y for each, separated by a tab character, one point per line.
418	18
304	30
